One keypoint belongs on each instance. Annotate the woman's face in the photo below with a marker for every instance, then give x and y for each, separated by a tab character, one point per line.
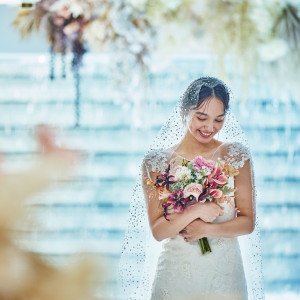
205	122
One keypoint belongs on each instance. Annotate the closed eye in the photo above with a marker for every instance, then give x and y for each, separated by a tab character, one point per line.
219	121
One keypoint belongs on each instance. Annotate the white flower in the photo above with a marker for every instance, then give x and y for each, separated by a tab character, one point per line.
172	5
183	173
205	171
139	4
75	7
94	33
199	176
263	20
273	50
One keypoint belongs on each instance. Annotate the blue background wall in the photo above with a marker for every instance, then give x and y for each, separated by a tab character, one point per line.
90	213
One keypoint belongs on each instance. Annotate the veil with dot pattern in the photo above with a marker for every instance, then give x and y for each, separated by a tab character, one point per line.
140	250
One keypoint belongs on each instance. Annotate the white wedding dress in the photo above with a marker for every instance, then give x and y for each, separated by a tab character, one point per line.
184	273
175	269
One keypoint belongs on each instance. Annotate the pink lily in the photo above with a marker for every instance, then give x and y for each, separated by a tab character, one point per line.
165	194
217	176
216	193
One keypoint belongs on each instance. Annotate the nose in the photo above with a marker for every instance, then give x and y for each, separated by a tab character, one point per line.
209	127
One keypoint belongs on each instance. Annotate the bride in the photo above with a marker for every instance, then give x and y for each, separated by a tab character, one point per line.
162	259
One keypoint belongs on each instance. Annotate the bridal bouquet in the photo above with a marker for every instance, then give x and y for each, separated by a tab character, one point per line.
189	182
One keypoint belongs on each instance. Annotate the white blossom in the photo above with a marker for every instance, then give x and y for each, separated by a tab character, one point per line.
205	171
75	7
183	173
199	176
273	50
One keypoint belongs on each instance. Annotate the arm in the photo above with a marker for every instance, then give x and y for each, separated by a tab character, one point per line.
160	227
242	224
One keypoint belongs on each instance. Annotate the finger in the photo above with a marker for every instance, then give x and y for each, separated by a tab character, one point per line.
186	239
189	239
45	136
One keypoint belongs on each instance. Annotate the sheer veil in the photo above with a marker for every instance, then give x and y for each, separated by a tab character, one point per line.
140	250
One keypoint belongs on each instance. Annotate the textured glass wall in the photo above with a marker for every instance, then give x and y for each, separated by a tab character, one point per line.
90	213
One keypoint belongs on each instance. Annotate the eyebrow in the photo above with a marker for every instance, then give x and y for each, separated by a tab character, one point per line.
201	113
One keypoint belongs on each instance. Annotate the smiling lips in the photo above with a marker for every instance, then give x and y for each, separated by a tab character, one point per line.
205	134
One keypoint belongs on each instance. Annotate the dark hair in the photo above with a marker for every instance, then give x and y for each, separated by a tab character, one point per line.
191	102
219	91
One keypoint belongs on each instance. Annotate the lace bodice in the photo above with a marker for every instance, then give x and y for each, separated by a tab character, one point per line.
158	160
239	153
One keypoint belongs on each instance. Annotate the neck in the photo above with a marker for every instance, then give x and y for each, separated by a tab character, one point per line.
190	144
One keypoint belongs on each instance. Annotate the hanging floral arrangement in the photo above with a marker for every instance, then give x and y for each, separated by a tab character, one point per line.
259	38
77	25
64	21
251	35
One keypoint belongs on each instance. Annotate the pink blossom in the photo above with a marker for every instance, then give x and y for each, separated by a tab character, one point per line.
216	193
164	195
178	209
217	176
194	189
199	162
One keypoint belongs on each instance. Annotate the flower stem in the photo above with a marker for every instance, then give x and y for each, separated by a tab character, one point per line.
204	245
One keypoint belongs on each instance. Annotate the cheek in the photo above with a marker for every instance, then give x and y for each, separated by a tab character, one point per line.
219	126
194	124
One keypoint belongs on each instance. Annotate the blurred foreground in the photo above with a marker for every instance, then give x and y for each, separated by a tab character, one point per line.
24	274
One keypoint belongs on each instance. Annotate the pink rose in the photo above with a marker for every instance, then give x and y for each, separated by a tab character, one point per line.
194	189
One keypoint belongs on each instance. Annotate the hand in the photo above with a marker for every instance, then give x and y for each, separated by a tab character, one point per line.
194	231
208	211
47	140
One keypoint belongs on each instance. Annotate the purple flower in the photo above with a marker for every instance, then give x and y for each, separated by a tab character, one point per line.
177	202
205	192
164	181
